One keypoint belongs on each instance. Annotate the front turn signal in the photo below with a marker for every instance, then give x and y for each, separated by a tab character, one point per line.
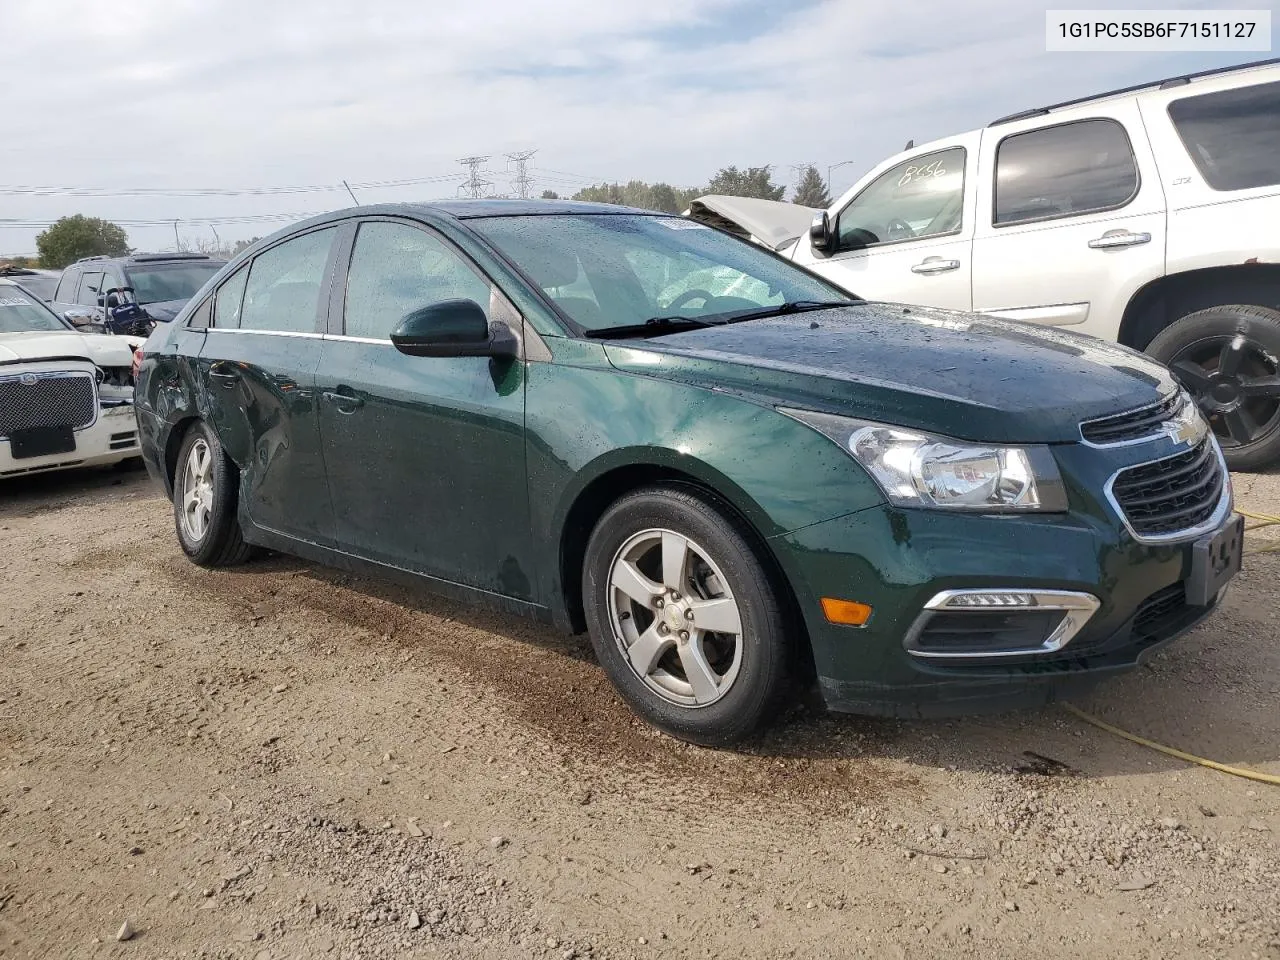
849	613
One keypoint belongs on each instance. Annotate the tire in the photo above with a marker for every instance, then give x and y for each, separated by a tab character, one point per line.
208	530
747	673
1227	358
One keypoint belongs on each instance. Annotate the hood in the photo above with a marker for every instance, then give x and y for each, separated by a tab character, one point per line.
104	350
772	222
164	310
966	376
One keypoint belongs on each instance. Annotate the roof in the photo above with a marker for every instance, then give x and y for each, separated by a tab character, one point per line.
472	209
1178	81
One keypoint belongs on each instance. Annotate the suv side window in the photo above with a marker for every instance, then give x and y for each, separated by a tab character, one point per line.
230	298
1233	136
396	268
66	292
90	284
283	288
1074	168
921	197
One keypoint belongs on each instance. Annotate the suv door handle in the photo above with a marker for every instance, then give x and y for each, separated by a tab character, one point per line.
935	265
1119	238
341	400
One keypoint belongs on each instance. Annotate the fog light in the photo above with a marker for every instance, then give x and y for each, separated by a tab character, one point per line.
992	600
847	612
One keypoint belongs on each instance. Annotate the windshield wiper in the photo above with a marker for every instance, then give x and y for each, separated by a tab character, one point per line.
791	306
653	327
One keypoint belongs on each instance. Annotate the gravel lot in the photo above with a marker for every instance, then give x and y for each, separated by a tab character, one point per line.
287	762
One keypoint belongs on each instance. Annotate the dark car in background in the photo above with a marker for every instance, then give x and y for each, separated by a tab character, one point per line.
729	472
39	283
161	284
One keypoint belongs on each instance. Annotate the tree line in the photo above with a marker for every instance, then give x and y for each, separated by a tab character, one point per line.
78	236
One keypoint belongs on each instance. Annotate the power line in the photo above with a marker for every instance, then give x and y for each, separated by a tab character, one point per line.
339	187
521	181
474	185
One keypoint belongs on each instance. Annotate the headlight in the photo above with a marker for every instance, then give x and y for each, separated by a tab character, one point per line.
916	469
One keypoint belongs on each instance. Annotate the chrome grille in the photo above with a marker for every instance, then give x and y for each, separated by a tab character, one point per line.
46	400
1141	424
1171	495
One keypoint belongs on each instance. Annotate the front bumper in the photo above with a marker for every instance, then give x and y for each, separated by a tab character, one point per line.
898	560
109	439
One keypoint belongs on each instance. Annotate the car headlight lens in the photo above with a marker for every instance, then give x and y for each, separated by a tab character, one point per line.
916	469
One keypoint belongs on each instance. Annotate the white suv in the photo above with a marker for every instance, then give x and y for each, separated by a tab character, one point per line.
1149	215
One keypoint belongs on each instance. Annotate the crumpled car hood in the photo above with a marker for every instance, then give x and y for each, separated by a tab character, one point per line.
101	349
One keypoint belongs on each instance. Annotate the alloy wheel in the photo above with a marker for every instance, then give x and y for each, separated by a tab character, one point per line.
197	490
1236	382
674	618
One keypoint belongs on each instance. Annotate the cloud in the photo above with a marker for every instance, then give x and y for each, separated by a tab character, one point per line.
252	92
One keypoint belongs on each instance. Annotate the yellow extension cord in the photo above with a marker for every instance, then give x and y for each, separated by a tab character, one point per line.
1263	520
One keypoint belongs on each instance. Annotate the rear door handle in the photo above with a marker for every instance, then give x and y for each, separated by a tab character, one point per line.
1119	238
935	265
341	400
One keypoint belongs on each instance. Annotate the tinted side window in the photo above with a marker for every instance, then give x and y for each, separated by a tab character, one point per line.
920	197
90	284
226	311
1233	136
66	292
1064	171
395	269
284	285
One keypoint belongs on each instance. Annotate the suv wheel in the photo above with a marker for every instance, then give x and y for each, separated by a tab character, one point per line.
684	618
1229	359
204	502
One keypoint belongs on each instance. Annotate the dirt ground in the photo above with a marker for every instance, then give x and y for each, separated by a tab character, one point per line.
286	762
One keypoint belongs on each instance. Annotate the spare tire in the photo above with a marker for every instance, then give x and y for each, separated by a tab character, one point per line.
1228	357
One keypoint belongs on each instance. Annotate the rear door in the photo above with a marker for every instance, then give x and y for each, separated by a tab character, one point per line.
1072	219
257	368
425	455
906	235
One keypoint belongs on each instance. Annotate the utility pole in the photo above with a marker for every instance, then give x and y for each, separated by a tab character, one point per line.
800	168
474	187
177	241
352	192
521	181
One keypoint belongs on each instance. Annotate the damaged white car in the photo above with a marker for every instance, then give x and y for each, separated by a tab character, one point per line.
66	398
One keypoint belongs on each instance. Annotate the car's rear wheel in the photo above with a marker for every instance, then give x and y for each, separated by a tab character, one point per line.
204	501
684	618
1227	357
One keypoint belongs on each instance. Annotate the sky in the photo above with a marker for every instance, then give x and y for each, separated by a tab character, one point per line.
110	104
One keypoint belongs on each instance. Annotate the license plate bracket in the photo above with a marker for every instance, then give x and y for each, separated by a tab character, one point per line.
1215	560
41	442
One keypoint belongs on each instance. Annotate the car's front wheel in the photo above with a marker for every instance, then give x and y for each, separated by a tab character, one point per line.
684	618
204	501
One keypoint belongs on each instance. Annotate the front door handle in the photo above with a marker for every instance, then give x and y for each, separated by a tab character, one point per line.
345	402
935	265
228	380
1119	238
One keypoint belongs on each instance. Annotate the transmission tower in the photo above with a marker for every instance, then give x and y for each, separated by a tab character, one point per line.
474	187
521	181
800	168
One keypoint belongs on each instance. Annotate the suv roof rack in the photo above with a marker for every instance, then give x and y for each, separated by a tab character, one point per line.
100	256
1154	84
147	257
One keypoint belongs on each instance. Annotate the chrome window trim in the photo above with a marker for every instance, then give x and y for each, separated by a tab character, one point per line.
1220	512
65	374
266	333
1119	444
1078	607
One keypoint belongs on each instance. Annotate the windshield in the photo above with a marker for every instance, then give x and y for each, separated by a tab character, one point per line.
20	313
608	270
156	283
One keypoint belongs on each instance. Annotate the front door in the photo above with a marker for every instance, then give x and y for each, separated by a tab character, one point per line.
257	368
905	237
425	455
1073	220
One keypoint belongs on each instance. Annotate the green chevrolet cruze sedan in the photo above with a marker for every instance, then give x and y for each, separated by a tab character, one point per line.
738	479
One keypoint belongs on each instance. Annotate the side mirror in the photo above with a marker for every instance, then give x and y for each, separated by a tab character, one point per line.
821	236
78	316
452	328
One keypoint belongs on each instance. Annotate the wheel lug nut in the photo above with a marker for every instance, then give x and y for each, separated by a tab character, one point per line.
660	603
674	595
662	628
684	634
688	614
